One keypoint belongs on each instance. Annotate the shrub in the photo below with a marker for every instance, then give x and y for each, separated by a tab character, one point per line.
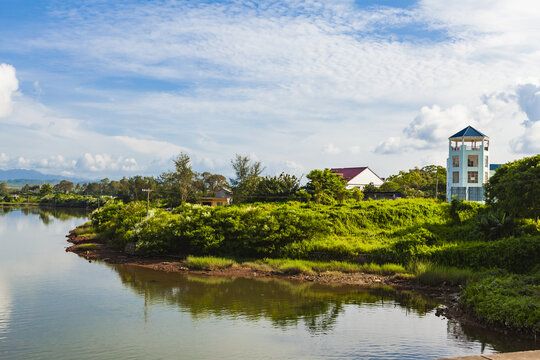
512	300
516	254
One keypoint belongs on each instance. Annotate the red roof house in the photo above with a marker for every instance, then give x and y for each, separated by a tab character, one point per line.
358	176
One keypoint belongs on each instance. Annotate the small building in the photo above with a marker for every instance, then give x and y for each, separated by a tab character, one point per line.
382	195
222	197
493	168
467	165
358	177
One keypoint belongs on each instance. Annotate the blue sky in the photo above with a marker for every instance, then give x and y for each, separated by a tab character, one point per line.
112	88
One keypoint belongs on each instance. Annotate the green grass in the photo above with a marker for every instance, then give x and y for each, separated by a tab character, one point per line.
432	274
507	299
83	229
294	266
208	263
88	247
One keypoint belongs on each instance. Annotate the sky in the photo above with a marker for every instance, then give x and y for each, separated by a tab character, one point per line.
100	88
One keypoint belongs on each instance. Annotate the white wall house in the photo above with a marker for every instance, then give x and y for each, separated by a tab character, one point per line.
467	165
358	177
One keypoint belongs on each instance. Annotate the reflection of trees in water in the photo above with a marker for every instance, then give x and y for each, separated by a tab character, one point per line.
45	214
501	343
283	302
4	210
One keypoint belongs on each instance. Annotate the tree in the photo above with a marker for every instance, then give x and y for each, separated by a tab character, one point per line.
515	188
370	188
325	186
46	189
247	174
277	188
3	189
178	186
207	183
64	186
424	182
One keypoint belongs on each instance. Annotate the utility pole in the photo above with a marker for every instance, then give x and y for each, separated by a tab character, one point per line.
147	191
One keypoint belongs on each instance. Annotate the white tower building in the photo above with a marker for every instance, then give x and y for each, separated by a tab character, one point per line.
467	167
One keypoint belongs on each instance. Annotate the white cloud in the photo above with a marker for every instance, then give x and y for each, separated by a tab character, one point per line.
528	98
332	149
104	162
529	142
433	124
8	86
294	167
160	149
392	145
303	73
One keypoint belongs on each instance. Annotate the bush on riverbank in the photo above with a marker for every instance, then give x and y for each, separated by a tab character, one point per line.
372	231
509	299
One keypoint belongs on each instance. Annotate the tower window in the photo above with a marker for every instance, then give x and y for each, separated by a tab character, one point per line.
486	162
455	160
455	177
472	160
472	177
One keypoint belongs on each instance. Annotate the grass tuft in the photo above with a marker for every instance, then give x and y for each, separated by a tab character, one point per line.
84	229
88	247
432	274
208	263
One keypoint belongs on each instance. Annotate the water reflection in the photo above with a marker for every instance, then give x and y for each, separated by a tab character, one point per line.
286	303
5	307
283	302
46	214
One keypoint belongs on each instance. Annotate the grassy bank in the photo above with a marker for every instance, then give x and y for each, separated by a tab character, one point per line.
436	242
381	232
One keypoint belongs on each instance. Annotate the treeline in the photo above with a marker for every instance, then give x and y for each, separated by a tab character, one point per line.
184	184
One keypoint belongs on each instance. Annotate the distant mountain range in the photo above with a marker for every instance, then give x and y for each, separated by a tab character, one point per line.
21	177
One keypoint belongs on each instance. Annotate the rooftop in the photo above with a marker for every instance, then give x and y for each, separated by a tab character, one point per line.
348	173
469	131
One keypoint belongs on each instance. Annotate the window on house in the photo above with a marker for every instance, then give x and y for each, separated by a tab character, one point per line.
458	192
455	177
472	160
219	203
476	194
472	177
486	176
486	162
455	160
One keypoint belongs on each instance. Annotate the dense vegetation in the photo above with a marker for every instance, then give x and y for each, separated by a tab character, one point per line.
383	231
451	238
515	188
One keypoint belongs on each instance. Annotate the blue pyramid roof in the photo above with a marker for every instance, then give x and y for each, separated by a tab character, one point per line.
468	131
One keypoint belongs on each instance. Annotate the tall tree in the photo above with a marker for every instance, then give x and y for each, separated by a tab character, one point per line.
247	174
515	188
207	183
46	189
64	186
178	186
426	182
3	189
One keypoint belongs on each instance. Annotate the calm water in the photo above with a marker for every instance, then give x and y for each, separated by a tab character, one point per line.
55	305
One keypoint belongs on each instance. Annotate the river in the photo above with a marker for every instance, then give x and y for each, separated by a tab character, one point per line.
56	305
